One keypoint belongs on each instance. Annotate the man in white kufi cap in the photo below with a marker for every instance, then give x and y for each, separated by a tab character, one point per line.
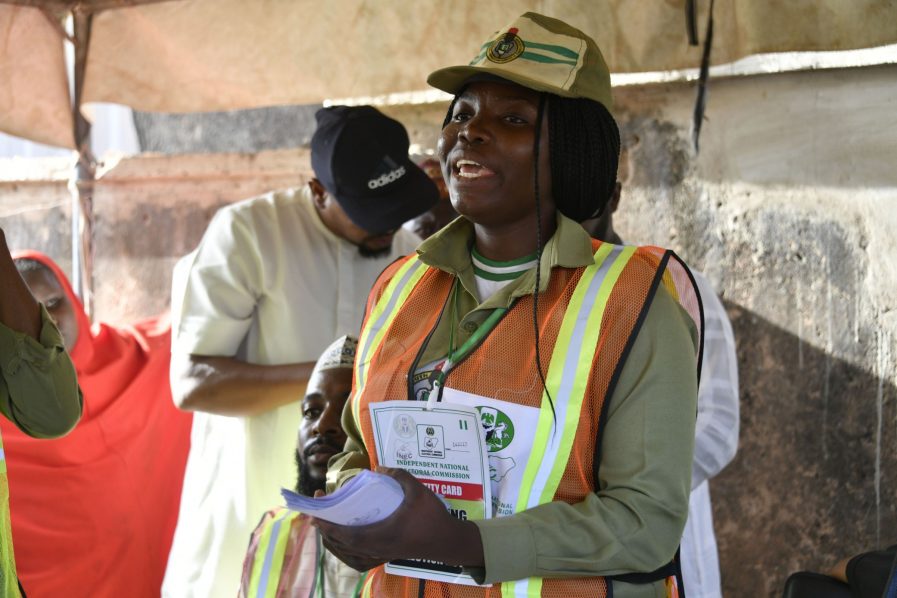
285	552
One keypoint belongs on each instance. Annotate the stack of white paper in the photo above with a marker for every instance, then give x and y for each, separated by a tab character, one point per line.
367	498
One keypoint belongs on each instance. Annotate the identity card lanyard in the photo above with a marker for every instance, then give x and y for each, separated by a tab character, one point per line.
454	356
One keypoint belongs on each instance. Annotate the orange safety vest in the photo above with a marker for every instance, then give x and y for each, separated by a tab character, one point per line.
588	319
283	557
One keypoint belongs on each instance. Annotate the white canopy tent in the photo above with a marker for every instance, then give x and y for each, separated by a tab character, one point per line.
210	55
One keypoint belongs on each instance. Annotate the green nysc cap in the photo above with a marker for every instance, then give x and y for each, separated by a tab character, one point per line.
540	53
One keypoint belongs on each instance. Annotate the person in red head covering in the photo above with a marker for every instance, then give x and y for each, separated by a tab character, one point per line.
93	513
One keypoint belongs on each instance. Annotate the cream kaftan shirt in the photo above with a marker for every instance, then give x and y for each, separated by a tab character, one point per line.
269	284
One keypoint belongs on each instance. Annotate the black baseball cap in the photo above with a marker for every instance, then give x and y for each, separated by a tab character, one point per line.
361	158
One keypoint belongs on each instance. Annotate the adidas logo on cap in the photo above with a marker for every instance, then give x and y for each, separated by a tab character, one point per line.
385	179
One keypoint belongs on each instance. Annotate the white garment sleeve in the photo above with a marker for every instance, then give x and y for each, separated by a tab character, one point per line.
216	288
716	431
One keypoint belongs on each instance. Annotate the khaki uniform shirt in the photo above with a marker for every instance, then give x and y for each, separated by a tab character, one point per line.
39	393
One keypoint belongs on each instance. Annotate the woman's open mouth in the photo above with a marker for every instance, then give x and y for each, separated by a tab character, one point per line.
469	169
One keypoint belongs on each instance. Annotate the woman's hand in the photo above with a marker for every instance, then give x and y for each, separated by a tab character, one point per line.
421	528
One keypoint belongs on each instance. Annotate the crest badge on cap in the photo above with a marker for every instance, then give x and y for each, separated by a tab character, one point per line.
506	47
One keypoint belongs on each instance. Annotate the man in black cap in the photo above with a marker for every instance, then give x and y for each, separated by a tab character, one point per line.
274	280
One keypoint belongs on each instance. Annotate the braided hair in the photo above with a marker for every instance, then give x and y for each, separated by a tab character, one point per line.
584	150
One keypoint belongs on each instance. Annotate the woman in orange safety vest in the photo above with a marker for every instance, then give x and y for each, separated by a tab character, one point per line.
579	355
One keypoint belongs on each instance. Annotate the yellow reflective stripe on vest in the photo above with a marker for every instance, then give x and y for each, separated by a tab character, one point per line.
566	381
368	590
265	575
382	315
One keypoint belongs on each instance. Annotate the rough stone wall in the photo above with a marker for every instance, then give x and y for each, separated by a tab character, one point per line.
788	209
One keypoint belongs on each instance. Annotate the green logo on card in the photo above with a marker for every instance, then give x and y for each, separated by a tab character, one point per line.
498	428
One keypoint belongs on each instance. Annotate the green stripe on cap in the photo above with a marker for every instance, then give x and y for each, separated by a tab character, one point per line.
563	51
545	59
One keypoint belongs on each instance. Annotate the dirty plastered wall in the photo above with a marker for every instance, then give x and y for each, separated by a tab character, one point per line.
789	209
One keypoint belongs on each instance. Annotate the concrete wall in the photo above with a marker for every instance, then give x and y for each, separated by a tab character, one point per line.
35	205
276	127
789	211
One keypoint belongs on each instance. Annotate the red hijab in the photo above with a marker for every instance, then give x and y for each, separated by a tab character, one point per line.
93	513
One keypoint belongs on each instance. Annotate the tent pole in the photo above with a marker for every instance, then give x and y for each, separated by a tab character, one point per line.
84	173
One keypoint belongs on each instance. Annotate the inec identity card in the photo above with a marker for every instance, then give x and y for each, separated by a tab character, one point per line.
444	449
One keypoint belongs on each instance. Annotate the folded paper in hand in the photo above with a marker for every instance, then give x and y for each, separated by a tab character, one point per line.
367	498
